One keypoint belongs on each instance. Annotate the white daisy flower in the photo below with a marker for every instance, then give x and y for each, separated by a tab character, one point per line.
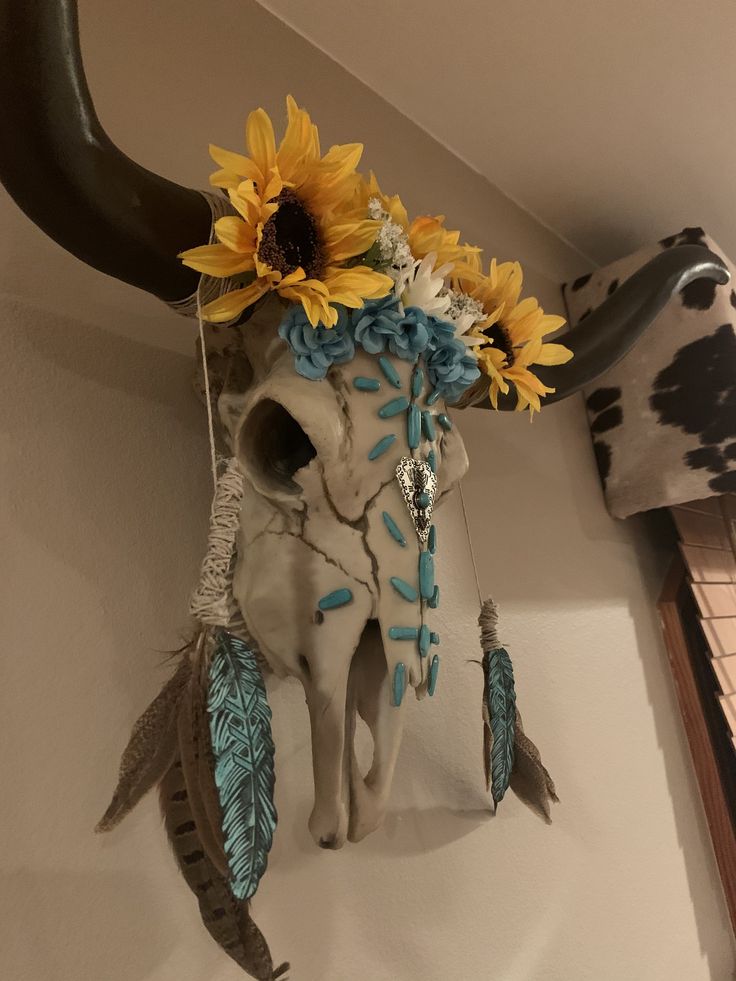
425	287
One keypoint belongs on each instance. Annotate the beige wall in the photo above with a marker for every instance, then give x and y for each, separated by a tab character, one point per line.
103	507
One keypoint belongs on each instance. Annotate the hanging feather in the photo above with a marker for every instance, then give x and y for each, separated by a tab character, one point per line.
240	730
530	780
194	752
150	750
227	919
499	705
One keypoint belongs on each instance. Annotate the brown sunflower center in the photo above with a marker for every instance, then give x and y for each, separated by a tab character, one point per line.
501	340
291	238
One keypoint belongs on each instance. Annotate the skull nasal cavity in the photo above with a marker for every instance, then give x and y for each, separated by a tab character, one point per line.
273	446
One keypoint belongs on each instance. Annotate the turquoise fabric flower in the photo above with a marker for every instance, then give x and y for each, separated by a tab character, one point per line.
376	323
317	348
413	336
440	332
450	367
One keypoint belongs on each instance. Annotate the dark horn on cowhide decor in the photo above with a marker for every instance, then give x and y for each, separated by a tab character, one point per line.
65	173
613	328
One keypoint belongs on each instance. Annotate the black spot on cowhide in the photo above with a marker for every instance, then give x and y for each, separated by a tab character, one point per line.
580	282
612	286
584	314
733	299
606	415
706	458
688	236
608	420
697	393
725	483
601	398
699	295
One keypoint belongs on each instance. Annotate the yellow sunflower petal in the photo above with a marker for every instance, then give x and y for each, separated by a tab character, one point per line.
232	304
522	376
341	159
274	186
224	178
552	354
235	167
297	146
352	286
313	297
342	242
261	142
216	260
236	234
550	323
526	396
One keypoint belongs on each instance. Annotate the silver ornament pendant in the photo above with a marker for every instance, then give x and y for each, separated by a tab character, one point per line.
419	486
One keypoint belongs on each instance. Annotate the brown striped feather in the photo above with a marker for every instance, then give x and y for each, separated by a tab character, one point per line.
151	749
191	711
530	780
227	920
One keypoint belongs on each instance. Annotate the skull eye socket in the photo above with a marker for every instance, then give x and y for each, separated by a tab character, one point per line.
273	446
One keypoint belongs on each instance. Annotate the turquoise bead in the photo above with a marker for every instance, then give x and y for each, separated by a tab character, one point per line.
393	529
366	384
424	640
428	426
403	633
413	426
394	407
417	382
340	597
433	669
435	601
432	461
399	685
389	372
434	638
444	421
433	397
405	589
432	540
426	575
381	446
423	499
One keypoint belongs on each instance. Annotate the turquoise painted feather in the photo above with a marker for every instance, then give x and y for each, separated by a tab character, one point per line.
499	706
240	731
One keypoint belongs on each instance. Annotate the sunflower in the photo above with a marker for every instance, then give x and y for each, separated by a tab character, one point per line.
425	234
512	335
297	230
428	234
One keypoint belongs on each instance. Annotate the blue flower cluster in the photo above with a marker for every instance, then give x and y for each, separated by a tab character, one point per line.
317	348
380	325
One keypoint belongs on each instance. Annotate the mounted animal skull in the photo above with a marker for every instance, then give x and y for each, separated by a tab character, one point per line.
314	523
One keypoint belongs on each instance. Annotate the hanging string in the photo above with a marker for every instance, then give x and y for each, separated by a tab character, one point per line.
470	544
207	398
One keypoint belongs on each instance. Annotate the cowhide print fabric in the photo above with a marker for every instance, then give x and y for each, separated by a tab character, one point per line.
663	421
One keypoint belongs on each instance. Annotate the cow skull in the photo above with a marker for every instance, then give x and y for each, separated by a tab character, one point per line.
323	513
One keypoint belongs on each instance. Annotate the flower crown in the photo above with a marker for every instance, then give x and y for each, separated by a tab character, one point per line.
356	271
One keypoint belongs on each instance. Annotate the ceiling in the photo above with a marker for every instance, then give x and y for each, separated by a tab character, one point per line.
611	122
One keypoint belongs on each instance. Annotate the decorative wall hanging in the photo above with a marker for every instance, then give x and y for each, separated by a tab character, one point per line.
338	338
663	420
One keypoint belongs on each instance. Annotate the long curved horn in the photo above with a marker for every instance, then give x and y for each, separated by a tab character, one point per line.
612	329
65	173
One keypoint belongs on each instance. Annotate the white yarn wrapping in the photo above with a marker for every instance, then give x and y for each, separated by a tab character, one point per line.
212	601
